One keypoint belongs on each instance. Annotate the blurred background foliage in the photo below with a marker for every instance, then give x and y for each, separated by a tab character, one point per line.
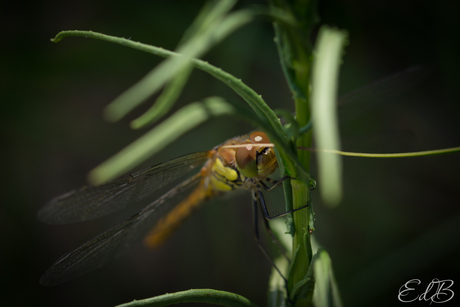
399	218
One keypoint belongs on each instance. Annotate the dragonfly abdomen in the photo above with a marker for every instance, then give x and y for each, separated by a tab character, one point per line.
217	178
170	222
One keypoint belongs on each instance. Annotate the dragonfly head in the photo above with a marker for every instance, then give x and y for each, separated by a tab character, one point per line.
254	160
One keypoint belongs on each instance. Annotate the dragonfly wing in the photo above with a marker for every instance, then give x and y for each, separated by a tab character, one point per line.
382	91
91	202
116	241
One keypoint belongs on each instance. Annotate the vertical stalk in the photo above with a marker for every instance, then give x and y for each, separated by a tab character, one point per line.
295	50
301	239
300	242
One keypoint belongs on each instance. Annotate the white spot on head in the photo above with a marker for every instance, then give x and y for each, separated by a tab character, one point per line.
249	147
258	138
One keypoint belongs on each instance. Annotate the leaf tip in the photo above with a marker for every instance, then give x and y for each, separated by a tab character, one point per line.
95	177
110	114
332	197
135	124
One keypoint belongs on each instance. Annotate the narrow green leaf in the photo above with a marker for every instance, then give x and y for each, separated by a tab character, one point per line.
324	117
159	137
326	291
301	283
211	12
305	286
305	128
286	60
165	101
204	296
144	88
207	15
302	292
276	284
161	74
295	254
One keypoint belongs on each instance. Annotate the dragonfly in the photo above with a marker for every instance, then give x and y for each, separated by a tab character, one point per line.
243	162
240	163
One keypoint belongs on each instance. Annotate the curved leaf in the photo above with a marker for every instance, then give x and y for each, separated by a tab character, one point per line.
207	296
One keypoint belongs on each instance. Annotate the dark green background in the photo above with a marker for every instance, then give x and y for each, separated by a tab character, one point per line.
52	97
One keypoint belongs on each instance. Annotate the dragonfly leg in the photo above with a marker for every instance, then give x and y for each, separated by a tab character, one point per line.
274	183
265	210
255	201
261	202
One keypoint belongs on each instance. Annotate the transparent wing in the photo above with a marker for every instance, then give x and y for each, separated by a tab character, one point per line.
382	91
91	202
363	99
114	242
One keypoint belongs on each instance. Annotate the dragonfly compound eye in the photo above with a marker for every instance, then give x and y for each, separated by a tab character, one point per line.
246	159
247	156
259	137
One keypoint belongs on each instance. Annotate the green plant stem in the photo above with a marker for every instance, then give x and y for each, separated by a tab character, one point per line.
206	296
435	152
300	191
301	237
295	54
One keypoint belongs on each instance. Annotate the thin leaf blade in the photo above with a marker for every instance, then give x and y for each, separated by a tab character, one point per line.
324	115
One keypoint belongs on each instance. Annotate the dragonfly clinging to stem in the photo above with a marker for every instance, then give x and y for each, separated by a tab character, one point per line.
240	163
